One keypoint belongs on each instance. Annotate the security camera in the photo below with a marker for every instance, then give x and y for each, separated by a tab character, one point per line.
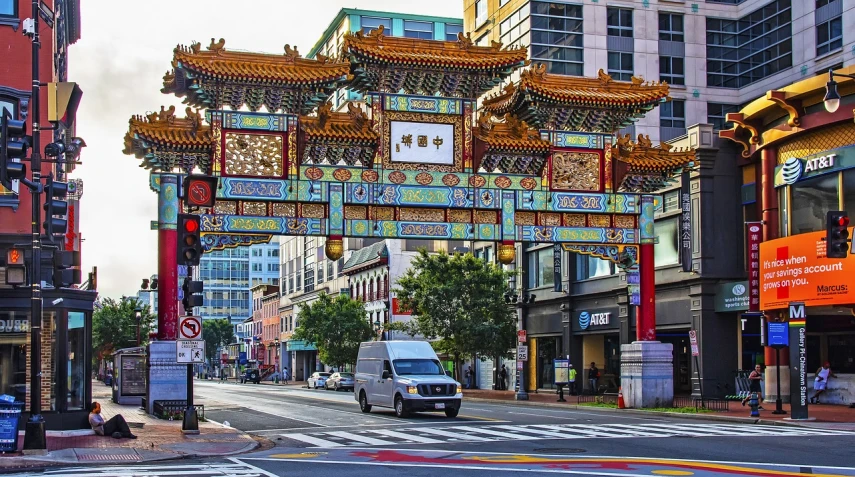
57	301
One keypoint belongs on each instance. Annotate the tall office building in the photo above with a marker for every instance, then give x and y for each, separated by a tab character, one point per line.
228	276
716	54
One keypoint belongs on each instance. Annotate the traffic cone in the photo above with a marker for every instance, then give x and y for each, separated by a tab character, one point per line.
620	403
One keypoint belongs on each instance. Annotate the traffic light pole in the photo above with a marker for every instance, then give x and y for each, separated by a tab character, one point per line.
190	425
34	436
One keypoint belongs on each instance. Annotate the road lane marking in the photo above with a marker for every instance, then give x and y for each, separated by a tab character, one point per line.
359	438
406	436
312	440
491	432
451	435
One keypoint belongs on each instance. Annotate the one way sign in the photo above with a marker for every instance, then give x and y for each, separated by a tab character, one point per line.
190	351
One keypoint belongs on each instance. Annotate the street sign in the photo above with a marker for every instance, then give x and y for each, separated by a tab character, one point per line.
190	351
522	353
521	336
190	328
693	338
779	335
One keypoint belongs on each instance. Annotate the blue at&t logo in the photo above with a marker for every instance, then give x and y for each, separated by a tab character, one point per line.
584	320
792	170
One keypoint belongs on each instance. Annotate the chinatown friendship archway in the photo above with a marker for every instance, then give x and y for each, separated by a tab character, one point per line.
538	161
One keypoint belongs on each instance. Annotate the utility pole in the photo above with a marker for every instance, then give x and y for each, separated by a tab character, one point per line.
34	437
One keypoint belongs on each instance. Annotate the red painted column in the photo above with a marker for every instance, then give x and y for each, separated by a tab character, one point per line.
167	265
645	325
769	204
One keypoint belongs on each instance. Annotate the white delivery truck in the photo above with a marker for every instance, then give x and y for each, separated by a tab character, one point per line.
406	376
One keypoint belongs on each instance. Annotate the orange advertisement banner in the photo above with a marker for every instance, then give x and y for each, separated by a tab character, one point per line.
796	269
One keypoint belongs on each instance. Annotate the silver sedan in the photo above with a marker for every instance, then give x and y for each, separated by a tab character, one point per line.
340	381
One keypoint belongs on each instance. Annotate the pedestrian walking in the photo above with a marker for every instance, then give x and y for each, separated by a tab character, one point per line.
285	375
754	385
572	380
503	376
593	377
468	375
820	382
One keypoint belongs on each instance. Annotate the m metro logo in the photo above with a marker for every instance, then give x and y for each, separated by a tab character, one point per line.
795	269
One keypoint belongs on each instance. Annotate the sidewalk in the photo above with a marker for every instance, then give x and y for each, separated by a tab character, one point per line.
822	415
157	440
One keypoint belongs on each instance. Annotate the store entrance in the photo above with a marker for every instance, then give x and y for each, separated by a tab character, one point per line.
682	356
548	350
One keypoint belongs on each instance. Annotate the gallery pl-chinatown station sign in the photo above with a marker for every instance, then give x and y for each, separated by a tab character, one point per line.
796	269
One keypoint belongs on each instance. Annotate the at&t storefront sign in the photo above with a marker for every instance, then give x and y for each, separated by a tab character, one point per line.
795	169
587	319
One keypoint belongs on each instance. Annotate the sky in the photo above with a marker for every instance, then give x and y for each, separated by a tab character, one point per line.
119	63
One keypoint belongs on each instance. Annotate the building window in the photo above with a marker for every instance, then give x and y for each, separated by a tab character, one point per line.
717	113
672	70
671	27
516	26
666	250
620	65
811	201
8	8
451	31
619	21
369	24
829	36
592	267
556	37
673	114
420	30
540	270
480	12
745	50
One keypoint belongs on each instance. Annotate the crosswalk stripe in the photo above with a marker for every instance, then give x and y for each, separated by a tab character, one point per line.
494	433
312	440
360	438
452	435
632	430
406	436
680	430
578	429
540	432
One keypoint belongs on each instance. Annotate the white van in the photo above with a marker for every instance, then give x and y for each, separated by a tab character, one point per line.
406	376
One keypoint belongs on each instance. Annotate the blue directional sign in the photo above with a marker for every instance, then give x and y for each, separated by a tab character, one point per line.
779	335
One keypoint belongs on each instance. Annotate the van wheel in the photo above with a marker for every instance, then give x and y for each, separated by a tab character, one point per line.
399	407
363	403
451	412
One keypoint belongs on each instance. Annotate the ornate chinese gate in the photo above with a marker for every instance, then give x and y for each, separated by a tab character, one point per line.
537	163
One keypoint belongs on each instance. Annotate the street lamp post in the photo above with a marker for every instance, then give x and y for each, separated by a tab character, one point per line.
377	329
832	96
138	316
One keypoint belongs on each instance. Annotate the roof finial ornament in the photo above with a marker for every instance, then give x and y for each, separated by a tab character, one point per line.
291	53
665	146
218	46
324	114
637	80
496	45
195	47
357	114
604	77
167	115
377	32
644	141
464	41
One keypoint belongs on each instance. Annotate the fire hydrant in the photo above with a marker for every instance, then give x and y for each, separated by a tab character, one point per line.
754	403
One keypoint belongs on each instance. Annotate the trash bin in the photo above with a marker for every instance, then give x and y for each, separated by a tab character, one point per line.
10	415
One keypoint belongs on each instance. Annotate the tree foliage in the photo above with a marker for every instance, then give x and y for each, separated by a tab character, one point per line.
336	326
458	300
216	333
114	325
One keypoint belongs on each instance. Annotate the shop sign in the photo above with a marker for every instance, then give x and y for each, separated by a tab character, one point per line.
796	269
587	320
396	308
556	267
14	326
633	287
796	168
752	241
732	296
798	356
685	223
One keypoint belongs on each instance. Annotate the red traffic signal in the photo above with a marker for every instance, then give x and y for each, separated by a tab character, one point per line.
189	240
843	221
837	234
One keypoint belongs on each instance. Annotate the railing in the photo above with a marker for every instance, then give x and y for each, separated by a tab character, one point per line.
710	404
598	398
175	409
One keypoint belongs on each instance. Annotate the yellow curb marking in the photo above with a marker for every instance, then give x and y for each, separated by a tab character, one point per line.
672	472
304	455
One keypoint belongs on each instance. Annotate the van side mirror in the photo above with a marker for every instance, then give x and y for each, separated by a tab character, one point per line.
448	373
385	374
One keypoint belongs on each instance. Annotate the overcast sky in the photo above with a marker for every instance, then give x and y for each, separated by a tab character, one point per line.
125	49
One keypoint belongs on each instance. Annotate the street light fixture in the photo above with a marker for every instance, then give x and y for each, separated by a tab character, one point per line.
832	96
377	326
138	316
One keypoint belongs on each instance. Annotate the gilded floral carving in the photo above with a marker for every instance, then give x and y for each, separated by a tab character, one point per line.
222	207
257	155
284	210
574	220
382	213
418	214
624	222
597	220
255	208
485	217
550	219
313	211
355	212
576	171
525	218
460	216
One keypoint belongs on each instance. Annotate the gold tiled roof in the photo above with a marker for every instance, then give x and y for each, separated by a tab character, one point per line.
585	104
165	142
350	126
641	156
510	134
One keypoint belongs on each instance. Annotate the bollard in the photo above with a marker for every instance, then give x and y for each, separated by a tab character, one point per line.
754	403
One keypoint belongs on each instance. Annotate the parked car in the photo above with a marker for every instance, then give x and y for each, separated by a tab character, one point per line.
406	376
251	376
340	381
317	380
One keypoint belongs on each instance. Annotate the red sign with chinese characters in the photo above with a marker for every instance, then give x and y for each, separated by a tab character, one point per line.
396	308
754	234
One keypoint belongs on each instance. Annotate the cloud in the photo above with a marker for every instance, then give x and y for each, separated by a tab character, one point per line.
125	49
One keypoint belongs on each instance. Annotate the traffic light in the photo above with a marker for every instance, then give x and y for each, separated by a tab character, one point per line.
54	205
189	240
16	271
837	234
192	294
13	145
64	276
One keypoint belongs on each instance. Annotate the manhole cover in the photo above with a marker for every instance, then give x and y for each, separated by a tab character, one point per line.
559	450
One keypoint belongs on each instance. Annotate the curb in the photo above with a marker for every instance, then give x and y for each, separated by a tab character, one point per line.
638	412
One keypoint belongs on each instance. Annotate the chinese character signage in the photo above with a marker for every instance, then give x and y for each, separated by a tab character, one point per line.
685	223
752	243
422	143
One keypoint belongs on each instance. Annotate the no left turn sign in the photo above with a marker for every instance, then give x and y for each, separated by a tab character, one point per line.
190	328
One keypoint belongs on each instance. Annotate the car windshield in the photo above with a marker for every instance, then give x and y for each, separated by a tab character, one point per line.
405	367
323	375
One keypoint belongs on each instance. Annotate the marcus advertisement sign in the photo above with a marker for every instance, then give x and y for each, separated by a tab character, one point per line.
796	169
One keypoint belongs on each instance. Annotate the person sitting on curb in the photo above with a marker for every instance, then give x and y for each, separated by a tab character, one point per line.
116	426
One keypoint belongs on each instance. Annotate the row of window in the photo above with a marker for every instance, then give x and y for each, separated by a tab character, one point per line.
372	289
412	28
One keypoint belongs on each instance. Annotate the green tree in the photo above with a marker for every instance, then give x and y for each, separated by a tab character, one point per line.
114	325
336	326
458	301
216	333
